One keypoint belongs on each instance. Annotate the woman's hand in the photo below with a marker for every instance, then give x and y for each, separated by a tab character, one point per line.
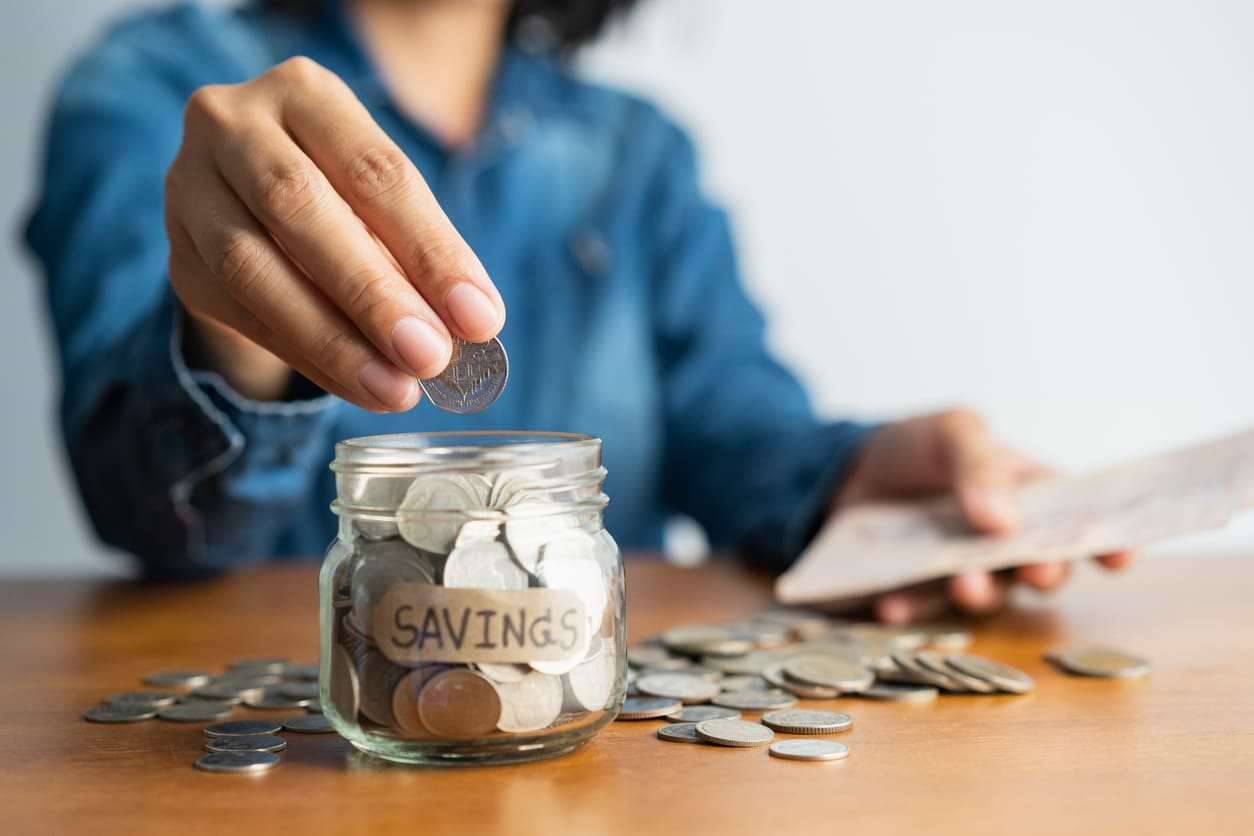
302	238
952	451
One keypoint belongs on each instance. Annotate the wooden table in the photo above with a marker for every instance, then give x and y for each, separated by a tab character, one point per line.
1172	754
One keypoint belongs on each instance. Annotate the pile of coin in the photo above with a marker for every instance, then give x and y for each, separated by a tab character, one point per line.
197	696
483	607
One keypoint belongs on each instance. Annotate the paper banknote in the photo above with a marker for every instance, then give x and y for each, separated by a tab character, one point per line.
873	548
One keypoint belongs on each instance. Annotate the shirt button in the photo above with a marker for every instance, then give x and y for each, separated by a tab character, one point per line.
591	251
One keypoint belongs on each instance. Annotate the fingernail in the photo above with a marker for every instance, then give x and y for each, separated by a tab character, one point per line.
420	346
388	384
472	311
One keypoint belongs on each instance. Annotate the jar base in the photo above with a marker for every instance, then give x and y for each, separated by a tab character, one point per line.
454	755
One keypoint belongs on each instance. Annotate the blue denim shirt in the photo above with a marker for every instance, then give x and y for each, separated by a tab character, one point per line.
627	319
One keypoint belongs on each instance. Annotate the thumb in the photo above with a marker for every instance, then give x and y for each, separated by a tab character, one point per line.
981	472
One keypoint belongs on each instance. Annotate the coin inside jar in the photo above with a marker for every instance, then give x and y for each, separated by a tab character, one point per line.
459	704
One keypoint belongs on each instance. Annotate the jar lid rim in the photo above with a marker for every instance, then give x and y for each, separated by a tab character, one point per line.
508	438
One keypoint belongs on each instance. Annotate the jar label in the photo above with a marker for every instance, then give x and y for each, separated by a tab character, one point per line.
416	623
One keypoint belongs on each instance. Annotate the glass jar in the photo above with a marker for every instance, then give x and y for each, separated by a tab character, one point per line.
472	607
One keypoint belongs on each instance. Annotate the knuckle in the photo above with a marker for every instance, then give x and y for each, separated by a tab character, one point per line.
300	71
962	419
441	262
379	172
331	351
288	191
369	291
242	265
210	104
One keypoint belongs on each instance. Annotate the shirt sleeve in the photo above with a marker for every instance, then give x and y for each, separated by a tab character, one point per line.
172	465
744	453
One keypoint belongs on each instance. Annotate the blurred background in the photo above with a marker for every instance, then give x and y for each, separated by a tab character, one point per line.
1040	209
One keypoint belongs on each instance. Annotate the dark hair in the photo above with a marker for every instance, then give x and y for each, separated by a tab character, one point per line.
556	25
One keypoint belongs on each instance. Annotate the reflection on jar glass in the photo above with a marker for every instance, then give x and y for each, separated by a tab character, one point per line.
472	607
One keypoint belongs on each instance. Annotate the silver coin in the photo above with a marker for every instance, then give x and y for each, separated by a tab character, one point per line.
478	531
530	704
483	566
805	721
430	516
889	692
680	733
226	692
681	686
259	664
568	562
502	672
307	672
809	750
308	724
238	761
381	566
1100	661
238	728
946	638
246	682
907	669
270	699
475	377
697	640
343	685
829	672
1003	676
176	679
745	665
588	686
299	690
198	712
773	674
314	707
648	708
120	713
530	524
699	713
735	732
246	743
935	661
152	698
653	656
742	682
755	700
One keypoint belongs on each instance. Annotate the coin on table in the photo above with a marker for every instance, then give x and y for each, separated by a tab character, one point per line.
681	686
743	682
908	669
120	713
259	664
241	728
829	672
308	724
805	721
1100	661
238	762
935	661
755	700
654	656
152	698
735	732
532	703
1003	676
308	672
176	678
944	637
314	707
475	377
680	733
459	704
747	664
648	708
271	699
429	517
343	687
802	623
299	690
890	692
194	712
773	675
697	640
229	692
483	565
809	750
698	713
246	743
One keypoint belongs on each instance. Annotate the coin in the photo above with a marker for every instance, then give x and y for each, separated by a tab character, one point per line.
381	566
379	677
498	672
746	665
680	686
568	563
474	379
829	672
809	750
176	679
308	724
773	674
314	707
1100	661
802	623
936	662
120	713
429	516
405	699
648	708
1003	676
229	692
889	692
804	721
948	638
238	728
697	713
153	698
259	664
532	703
246	743
478	531
907	668
271	699
199	712
483	565
238	761
735	732
299	690
680	733
588	686
755	700
459	704
531	524
308	672
653	656
742	682
697	640
343	688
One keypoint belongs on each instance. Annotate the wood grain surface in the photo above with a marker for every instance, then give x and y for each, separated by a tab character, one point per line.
1171	754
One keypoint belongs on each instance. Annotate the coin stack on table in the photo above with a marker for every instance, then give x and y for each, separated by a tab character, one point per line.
480	609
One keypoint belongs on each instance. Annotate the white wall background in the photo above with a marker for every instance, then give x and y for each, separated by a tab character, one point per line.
1045	209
